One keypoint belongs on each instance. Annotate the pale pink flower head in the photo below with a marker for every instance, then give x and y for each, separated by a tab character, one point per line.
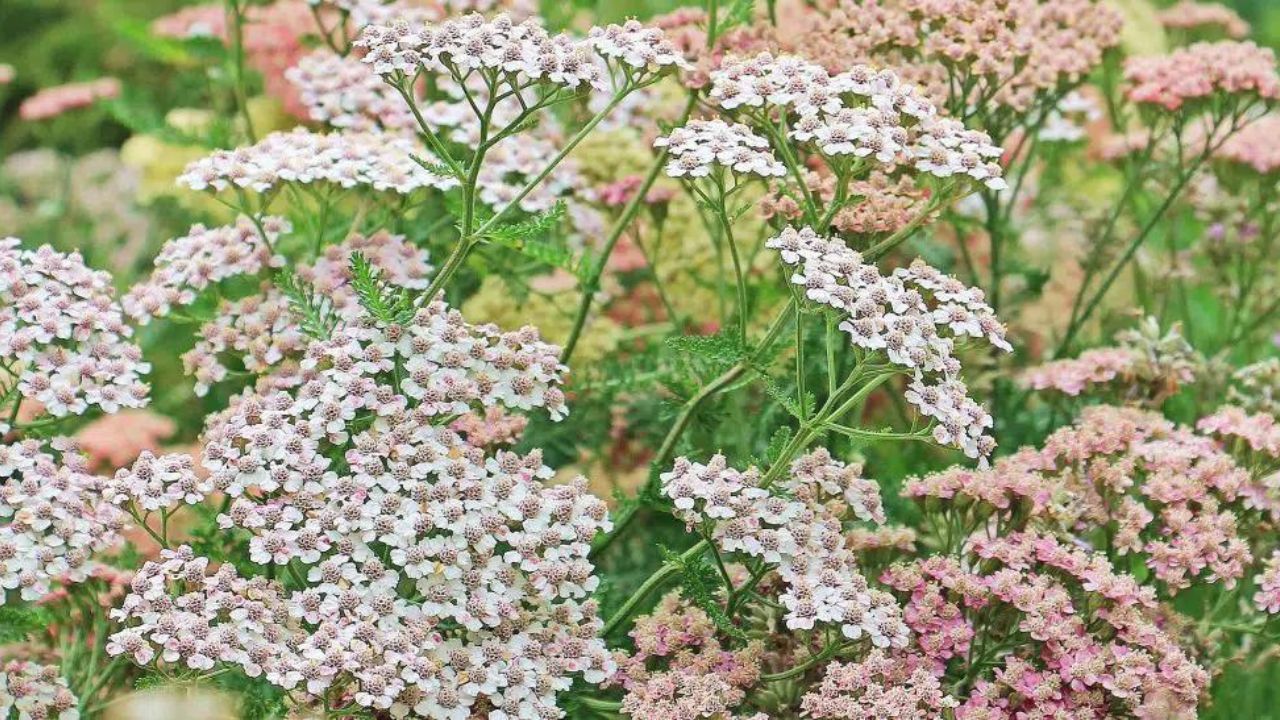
7	73
1211	16
1198	72
1253	147
54	101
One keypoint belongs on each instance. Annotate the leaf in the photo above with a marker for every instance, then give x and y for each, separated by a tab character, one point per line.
434	168
741	12
19	623
698	582
719	349
313	309
784	397
537	226
387	303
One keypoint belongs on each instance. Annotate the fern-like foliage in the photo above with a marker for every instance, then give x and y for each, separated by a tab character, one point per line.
698	584
314	311
388	304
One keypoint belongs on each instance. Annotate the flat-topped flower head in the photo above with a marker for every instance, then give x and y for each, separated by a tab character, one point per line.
637	46
345	93
471	42
802	536
1253	147
1193	15
861	112
913	316
1196	73
63	334
262	333
380	161
462	571
205	256
53	518
36	692
697	148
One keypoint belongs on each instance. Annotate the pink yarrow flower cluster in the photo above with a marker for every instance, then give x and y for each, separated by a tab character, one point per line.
1253	147
680	670
1200	71
1192	15
880	687
381	161
345	94
63	335
860	113
803	538
1070	653
913	316
54	101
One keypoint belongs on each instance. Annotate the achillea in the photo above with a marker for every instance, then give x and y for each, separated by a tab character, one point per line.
802	537
679	670
1191	15
346	160
63	331
1253	147
1196	73
914	316
881	686
54	101
36	691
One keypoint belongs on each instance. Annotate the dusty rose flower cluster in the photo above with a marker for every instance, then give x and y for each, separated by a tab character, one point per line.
1192	15
383	162
1002	53
1085	640
914	317
342	92
1145	367
1198	72
802	537
882	686
62	335
680	670
54	101
187	265
1253	147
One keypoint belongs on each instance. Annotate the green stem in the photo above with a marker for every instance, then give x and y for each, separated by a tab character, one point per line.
649	585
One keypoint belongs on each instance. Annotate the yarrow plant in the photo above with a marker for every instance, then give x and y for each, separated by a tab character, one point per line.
846	360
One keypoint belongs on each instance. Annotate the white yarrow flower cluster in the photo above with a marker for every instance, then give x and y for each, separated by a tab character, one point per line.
698	147
262	333
187	265
63	339
440	579
804	538
525	50
637	46
36	692
913	317
860	112
344	93
381	161
53	518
